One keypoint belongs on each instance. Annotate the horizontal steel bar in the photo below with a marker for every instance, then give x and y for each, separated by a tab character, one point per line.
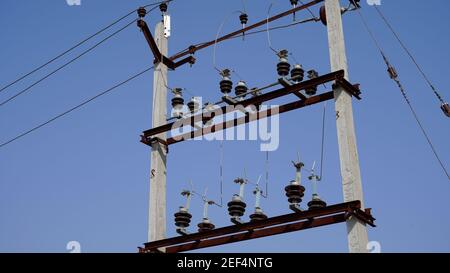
352	89
306	224
252	117
193	49
255	100
333	209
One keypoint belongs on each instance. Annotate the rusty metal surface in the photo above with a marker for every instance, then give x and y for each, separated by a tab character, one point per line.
155	50
255	100
249	118
193	49
191	240
305	224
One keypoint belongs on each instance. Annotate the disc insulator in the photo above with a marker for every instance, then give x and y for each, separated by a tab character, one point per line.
297	73
141	12
205	226
225	86
236	208
182	219
295	193
316	204
258	216
283	68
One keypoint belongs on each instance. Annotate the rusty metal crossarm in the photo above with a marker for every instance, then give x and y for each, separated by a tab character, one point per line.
157	53
249	235
352	89
252	117
253	226
256	100
193	49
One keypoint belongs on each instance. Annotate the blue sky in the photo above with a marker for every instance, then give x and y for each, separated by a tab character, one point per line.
85	177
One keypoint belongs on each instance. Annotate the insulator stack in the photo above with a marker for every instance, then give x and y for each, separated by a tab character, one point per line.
241	89
244	19
283	66
297	73
163	7
258	215
236	207
205	225
446	109
141	12
193	105
294	4
177	101
316	203
311	91
295	193
226	85
182	218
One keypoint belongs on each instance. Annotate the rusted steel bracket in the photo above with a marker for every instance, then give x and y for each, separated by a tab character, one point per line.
157	53
352	89
252	230
337	77
251	117
193	48
153	140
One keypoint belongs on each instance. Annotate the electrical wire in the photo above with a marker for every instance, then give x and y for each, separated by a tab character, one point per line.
408	52
269	41
217	37
75	107
65	64
309	10
394	77
73	47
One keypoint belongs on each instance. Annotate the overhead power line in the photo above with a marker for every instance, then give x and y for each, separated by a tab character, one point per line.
408	52
64	65
74	108
394	76
74	47
70	61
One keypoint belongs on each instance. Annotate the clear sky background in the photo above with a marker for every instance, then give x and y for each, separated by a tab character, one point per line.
86	177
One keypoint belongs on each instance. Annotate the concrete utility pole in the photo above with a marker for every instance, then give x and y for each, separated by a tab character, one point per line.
348	151
157	201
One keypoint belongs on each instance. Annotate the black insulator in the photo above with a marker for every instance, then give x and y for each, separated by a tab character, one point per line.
294	2
236	208
446	109
226	86
240	89
258	216
312	74
294	193
283	68
297	73
243	18
205	226
316	204
182	219
193	106
163	7
177	102
141	12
